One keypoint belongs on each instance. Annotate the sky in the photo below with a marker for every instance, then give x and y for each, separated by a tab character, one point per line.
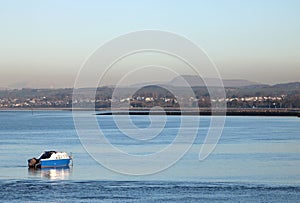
43	44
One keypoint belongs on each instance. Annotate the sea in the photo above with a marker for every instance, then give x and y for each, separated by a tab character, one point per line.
256	159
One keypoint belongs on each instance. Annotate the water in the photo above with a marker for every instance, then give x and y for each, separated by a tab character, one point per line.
256	159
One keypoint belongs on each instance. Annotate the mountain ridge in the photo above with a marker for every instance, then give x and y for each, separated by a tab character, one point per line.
193	80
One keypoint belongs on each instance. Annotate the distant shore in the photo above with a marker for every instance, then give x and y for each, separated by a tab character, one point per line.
176	111
207	112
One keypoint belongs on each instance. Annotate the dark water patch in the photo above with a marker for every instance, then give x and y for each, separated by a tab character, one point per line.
147	191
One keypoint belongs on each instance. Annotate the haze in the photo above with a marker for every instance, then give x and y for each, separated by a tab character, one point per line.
43	44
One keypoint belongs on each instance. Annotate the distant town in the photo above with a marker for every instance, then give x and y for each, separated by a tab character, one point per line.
254	96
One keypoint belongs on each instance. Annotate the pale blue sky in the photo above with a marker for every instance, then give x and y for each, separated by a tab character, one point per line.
44	43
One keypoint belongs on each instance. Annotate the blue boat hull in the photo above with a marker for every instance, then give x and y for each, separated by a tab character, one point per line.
55	163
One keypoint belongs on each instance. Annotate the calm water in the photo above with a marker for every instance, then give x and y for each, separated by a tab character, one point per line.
256	159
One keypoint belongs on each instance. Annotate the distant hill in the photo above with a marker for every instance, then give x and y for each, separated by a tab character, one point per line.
266	90
291	85
280	95
197	81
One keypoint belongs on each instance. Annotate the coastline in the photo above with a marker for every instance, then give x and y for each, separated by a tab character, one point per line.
292	112
207	112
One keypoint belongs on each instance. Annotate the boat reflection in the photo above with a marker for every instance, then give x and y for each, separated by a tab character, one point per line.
51	173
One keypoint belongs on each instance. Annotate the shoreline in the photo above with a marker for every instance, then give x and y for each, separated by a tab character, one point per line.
176	111
208	112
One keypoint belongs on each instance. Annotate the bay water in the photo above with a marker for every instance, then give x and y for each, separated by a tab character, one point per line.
256	159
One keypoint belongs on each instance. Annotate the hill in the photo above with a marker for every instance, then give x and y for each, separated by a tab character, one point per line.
197	81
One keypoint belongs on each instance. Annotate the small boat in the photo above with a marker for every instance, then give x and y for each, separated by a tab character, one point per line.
50	159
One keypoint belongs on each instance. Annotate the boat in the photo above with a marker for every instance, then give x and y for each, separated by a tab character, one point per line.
50	159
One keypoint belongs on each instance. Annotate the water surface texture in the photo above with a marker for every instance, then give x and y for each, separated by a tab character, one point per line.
256	159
